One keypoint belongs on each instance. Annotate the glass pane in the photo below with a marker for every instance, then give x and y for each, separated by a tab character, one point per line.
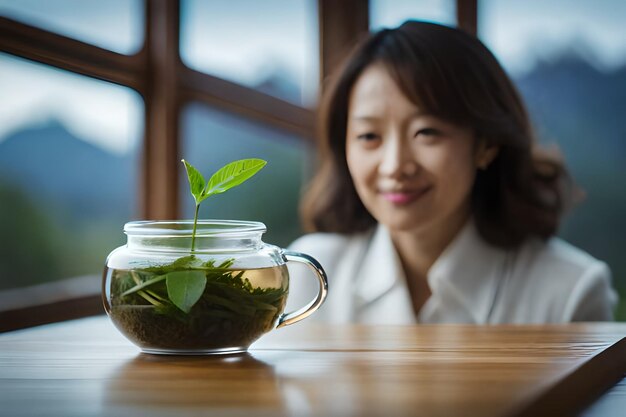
212	138
117	25
388	14
268	45
569	62
68	171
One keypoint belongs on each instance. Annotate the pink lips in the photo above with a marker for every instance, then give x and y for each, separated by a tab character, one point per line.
403	197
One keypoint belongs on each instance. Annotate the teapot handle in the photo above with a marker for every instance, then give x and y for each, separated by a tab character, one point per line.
295	316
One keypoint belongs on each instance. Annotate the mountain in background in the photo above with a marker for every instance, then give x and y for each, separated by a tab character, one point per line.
580	107
51	164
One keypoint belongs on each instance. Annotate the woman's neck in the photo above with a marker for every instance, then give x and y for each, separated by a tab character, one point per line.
419	249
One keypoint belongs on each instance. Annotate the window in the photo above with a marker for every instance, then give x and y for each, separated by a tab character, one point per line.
68	171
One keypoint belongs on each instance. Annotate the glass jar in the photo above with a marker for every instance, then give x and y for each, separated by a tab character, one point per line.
217	298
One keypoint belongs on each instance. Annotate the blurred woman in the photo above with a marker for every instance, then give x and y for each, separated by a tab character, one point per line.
432	202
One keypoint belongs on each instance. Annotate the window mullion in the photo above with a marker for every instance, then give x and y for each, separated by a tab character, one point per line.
341	23
69	54
161	156
467	15
246	101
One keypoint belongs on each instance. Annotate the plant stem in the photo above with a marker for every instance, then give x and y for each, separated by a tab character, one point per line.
154	295
144	285
150	296
195	223
150	299
137	280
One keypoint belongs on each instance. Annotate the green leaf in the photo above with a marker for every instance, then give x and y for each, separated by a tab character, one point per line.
232	175
196	181
225	178
184	288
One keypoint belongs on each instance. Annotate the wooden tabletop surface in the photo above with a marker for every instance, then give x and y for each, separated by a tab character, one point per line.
86	368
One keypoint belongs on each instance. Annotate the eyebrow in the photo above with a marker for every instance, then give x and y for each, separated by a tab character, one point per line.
365	118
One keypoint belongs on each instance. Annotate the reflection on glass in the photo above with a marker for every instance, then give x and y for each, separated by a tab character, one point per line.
117	25
572	74
68	171
388	14
268	45
212	138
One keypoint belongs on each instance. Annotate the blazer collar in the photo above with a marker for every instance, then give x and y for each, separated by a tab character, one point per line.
463	279
379	268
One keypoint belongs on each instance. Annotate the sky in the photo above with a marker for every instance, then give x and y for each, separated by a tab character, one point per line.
391	13
244	40
108	115
519	32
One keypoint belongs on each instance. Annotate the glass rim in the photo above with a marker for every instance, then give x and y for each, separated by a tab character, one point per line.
181	228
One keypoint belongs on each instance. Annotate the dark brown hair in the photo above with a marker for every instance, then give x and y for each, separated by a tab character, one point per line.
452	75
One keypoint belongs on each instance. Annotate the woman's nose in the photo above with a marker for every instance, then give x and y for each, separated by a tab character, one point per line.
397	160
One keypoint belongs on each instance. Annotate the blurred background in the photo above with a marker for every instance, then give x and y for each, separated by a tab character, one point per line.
99	101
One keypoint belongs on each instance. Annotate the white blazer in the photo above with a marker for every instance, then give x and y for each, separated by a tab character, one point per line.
471	282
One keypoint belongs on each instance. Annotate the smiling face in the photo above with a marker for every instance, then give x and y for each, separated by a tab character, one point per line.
413	171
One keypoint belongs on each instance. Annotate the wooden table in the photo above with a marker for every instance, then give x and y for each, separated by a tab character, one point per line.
85	368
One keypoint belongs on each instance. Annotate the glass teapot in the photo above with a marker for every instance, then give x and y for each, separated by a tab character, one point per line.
219	298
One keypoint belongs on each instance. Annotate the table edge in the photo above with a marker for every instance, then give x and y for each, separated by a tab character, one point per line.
579	388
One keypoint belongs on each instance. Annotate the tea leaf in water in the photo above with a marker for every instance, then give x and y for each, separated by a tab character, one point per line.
234	308
142	285
184	288
190	262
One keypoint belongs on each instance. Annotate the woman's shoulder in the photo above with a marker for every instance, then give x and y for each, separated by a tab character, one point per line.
559	257
575	285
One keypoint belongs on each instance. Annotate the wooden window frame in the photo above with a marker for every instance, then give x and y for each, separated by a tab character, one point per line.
166	85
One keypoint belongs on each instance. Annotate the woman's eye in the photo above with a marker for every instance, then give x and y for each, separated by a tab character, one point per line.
427	131
428	135
367	136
